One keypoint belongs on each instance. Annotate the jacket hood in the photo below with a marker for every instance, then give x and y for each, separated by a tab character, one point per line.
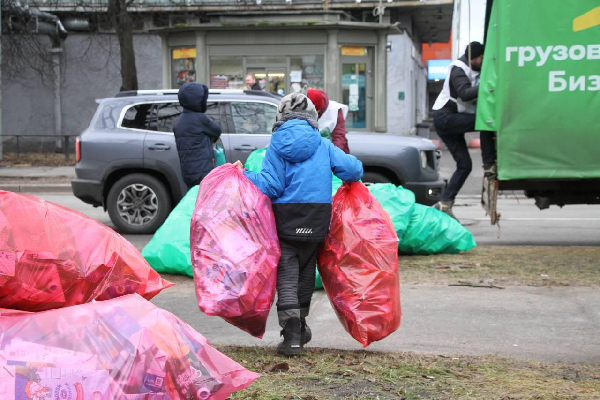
295	140
193	96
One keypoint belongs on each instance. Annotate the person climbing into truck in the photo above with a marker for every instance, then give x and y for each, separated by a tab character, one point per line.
454	115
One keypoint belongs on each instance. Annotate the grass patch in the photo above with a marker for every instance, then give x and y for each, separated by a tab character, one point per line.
507	266
326	373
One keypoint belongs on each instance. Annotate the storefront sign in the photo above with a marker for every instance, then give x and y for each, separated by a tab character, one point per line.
437	69
187	52
354	51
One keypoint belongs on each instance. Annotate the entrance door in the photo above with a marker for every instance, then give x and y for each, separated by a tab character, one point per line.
357	91
271	79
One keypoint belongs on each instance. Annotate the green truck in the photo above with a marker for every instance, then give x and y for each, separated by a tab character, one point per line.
540	91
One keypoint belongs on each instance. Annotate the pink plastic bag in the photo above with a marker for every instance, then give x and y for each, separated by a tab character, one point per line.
235	250
358	263
52	257
125	348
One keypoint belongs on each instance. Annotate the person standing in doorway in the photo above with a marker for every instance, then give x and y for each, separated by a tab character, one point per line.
454	115
251	83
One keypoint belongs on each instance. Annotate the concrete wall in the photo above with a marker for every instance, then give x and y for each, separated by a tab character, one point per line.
404	75
90	66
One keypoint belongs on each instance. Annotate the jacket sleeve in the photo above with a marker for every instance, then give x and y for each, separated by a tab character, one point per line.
271	179
338	135
345	166
211	128
462	86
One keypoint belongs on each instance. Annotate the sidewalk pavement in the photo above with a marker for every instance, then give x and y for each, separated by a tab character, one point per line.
532	323
36	179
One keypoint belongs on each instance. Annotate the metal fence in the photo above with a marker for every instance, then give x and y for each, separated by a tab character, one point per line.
41	144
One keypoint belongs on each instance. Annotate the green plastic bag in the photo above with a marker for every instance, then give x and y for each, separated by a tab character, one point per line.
169	249
318	281
398	202
432	232
255	160
219	155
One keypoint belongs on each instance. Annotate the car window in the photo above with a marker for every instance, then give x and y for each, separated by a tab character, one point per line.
166	115
137	117
212	112
253	118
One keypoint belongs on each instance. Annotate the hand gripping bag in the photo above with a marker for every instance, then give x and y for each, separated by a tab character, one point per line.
235	250
124	348
52	257
358	263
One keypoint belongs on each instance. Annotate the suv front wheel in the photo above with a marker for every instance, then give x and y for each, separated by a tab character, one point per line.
138	203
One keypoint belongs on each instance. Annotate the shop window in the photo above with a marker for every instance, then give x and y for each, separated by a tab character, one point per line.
253	118
183	66
307	70
226	73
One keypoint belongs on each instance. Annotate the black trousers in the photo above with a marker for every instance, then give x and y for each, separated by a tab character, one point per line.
296	274
451	128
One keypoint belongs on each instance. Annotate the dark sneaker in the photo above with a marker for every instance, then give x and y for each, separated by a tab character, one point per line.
292	343
445	207
305	332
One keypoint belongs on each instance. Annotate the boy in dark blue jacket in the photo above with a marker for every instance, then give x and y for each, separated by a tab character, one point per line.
195	134
296	175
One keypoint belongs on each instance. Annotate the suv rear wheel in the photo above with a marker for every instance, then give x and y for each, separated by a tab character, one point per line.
138	203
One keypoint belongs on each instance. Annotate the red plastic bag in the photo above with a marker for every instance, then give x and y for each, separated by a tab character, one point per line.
358	263
52	257
235	250
125	348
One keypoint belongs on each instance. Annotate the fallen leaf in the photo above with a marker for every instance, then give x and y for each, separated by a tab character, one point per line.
244	361
281	367
372	380
370	371
431	378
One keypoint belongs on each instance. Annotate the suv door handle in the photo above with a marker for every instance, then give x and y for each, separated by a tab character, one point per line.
159	147
245	147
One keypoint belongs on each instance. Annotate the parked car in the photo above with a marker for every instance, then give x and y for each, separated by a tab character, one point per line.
127	161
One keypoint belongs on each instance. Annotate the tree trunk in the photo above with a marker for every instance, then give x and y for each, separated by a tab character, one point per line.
121	21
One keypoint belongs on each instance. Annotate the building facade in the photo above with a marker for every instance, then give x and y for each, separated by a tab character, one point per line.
370	62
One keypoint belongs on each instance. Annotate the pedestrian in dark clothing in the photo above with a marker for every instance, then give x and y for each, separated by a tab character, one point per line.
455	110
296	175
251	82
194	134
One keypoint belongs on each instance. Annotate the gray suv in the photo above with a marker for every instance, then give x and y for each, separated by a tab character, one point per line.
127	161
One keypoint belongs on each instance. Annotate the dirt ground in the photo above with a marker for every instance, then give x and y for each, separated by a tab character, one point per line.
506	266
327	374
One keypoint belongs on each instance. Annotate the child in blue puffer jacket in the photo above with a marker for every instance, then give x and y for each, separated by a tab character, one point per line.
296	175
